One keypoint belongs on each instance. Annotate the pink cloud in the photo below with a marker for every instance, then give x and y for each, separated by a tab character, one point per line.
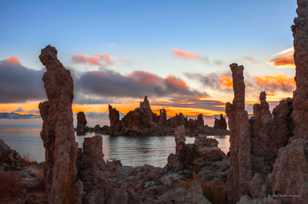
145	77
97	60
12	60
185	54
176	82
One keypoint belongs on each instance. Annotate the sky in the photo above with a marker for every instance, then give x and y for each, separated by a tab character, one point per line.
176	52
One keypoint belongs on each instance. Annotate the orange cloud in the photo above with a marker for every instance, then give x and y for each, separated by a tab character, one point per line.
12	60
225	81
98	60
185	54
284	59
280	82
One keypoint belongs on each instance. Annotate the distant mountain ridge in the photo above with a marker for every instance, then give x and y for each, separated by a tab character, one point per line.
17	116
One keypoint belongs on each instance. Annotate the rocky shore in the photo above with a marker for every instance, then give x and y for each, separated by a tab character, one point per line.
267	162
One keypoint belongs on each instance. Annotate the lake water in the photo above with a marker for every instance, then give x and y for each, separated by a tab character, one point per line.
24	136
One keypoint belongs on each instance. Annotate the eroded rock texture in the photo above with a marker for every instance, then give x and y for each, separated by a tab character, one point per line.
262	157
300	34
290	174
58	131
96	187
240	141
81	123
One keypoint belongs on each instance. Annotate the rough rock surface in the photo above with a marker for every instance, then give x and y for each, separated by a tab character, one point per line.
204	160
81	123
300	104
290	174
58	131
261	124
9	158
179	139
240	143
91	167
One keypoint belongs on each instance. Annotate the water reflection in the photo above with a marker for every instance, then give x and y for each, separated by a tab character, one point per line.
23	135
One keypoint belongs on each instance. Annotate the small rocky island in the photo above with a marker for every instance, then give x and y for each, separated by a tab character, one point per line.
144	122
267	162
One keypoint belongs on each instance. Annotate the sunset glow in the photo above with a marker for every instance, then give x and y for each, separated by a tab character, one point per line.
119	62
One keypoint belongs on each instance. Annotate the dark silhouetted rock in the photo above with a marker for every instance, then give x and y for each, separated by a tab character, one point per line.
162	117
81	123
220	123
114	116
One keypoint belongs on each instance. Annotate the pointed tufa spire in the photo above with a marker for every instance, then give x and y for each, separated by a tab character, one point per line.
240	144
58	131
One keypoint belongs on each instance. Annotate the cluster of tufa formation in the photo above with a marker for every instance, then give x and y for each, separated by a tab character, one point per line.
144	122
267	162
220	123
269	151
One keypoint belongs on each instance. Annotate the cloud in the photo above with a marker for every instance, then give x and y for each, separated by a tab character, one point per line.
223	82
136	84
12	60
250	60
219	81
185	54
278	82
97	60
214	105
18	83
284	59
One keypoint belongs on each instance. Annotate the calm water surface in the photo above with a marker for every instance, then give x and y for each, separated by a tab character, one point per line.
24	136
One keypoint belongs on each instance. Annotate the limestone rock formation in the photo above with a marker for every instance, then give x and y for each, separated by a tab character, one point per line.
240	144
179	139
96	186
114	116
300	100
58	131
204	160
290	174
282	126
200	121
220	123
9	158
162	117
261	124
81	123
